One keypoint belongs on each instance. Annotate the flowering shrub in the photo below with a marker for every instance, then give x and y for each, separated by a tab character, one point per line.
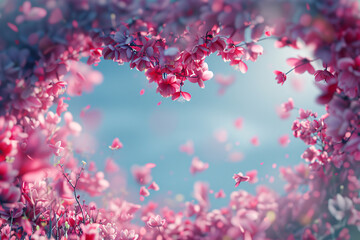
42	42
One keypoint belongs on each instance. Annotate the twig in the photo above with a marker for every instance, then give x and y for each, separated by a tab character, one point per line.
74	190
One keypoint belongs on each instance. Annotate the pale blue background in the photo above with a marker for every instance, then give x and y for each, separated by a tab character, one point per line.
131	117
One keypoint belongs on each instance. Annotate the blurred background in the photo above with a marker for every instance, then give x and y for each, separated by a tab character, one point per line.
154	129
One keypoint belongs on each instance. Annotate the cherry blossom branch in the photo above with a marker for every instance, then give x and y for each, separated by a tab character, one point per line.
74	188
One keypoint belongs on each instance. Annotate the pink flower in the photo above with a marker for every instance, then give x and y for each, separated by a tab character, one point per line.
116	144
280	77
142	174
57	148
144	192
90	231
304	114
310	154
128	235
156	222
62	107
111	166
252	175
238	123
285	41
220	194
224	82
301	65
288	106
284	140
187	148
154	186
185	95
198	166
202	74
255	141
168	86
240	178
5	150
323	75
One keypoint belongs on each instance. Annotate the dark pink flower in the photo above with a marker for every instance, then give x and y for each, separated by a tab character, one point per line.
323	75
280	77
168	86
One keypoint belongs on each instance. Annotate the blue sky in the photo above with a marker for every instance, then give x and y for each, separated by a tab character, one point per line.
153	133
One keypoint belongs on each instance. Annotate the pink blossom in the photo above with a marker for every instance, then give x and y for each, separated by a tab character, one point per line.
156	222
154	186
323	75
240	178
220	194
198	166
57	148
202	74
304	114
5	150
128	235
301	65
310	154
280	77
111	166
168	86
185	95
90	231
144	192
252	176
284	140
142	174
116	144
238	123
187	148
285	41
288	106
255	141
